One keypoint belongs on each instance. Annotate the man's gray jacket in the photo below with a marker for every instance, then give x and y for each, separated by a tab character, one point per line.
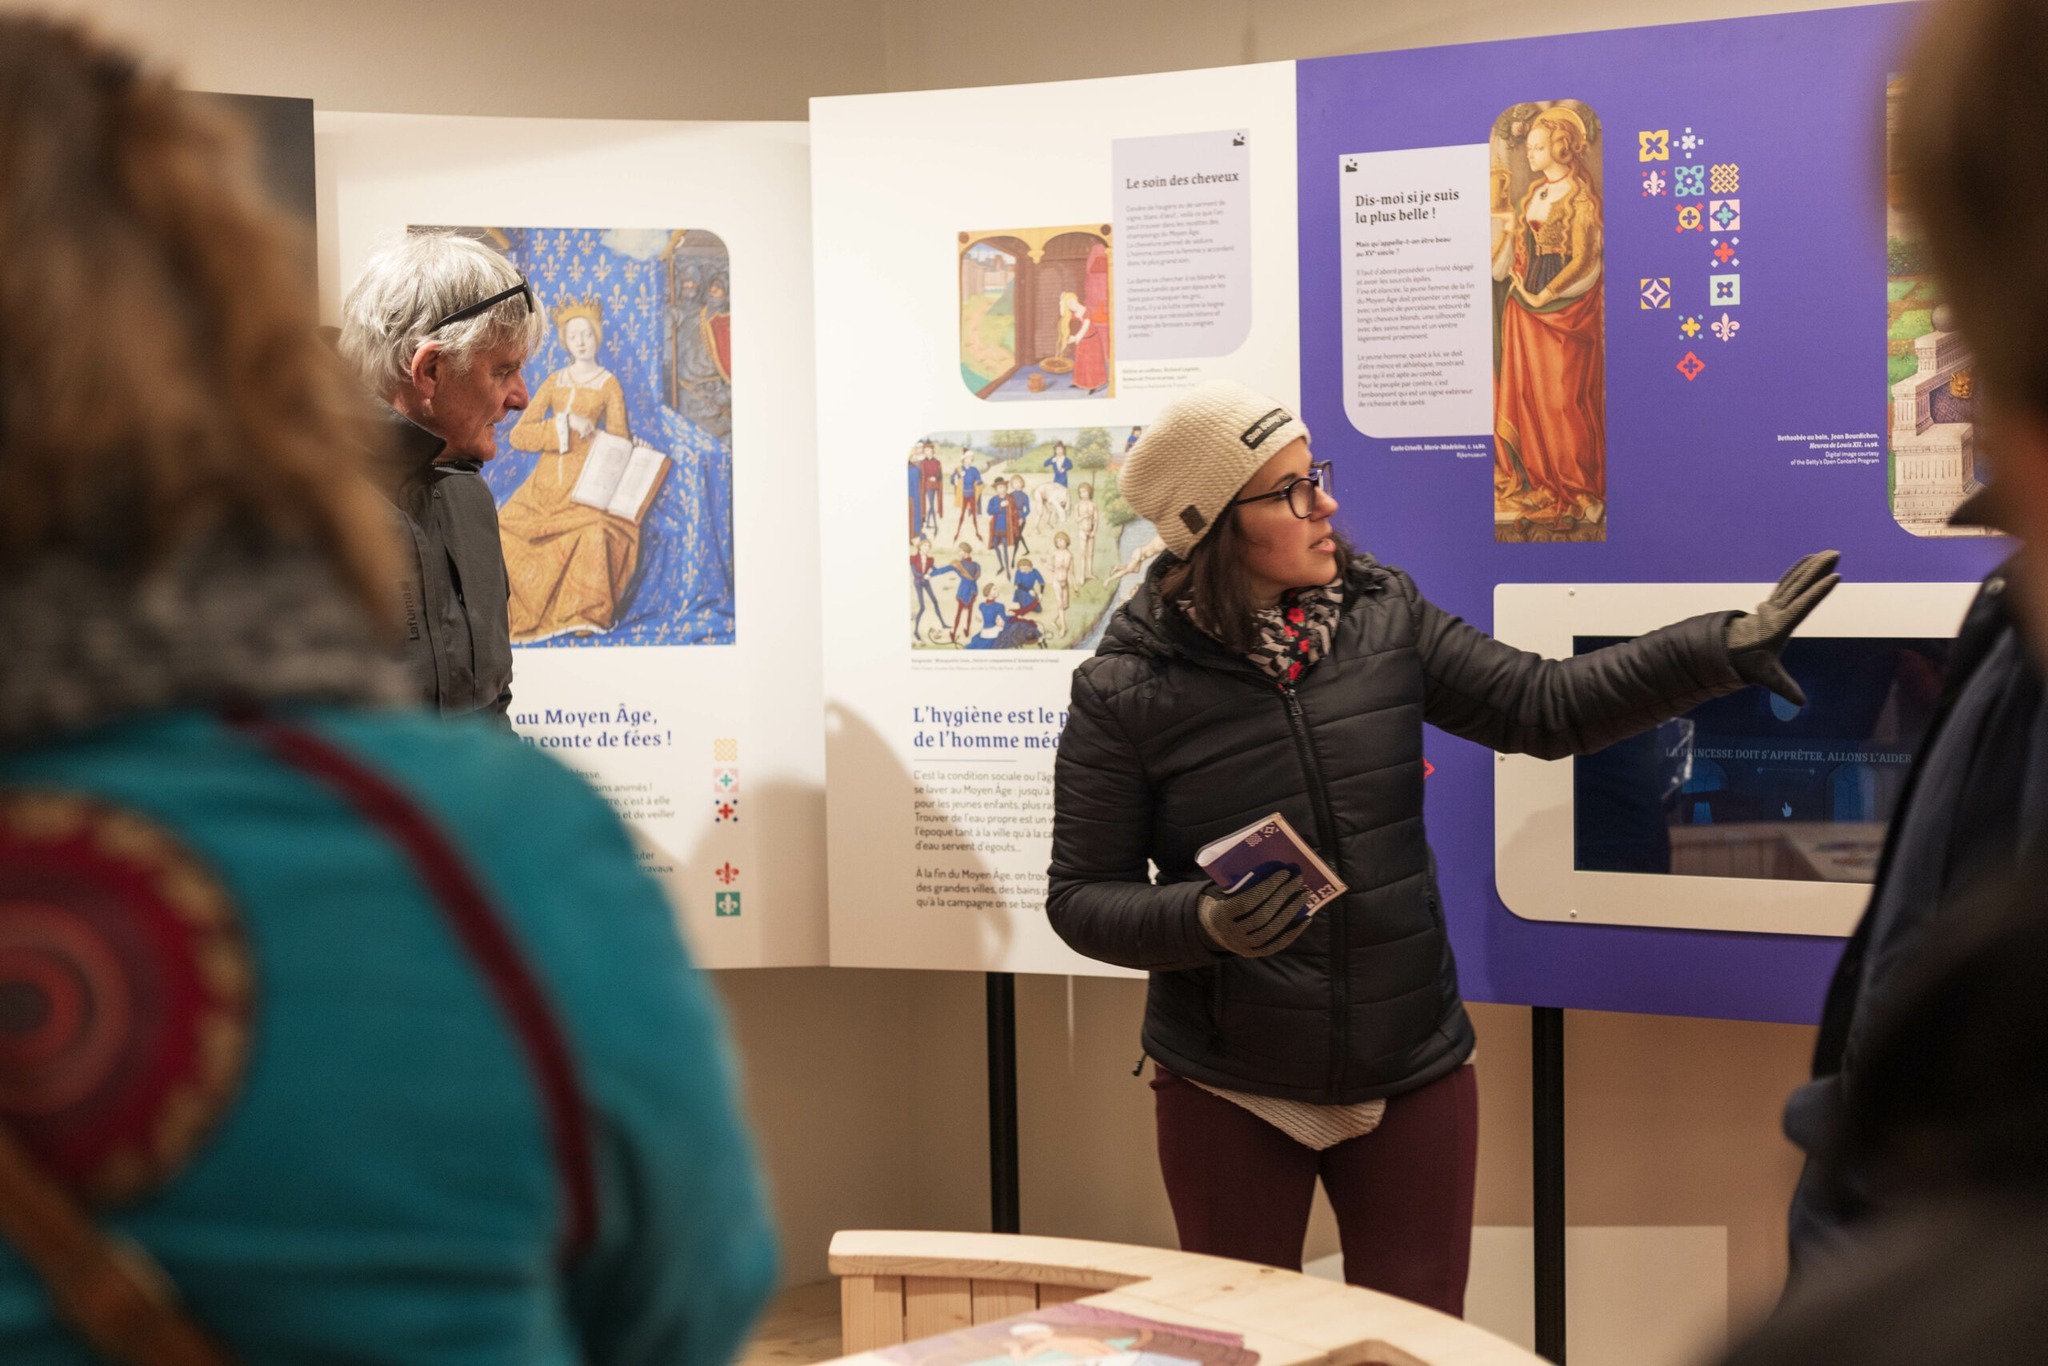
453	629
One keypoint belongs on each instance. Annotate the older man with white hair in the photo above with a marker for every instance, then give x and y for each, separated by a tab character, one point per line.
438	327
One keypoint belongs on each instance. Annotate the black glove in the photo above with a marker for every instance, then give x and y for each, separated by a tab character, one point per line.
1756	638
1261	918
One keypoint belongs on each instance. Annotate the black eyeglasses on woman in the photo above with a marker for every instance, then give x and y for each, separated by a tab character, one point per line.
1301	492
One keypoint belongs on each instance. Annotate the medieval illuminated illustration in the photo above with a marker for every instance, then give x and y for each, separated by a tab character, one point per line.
1021	538
1035	313
1931	447
1550	385
615	485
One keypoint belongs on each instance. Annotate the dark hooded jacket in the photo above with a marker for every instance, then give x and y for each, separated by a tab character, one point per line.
1172	742
1975	801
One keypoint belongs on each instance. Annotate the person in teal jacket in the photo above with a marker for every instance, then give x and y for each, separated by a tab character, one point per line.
367	1028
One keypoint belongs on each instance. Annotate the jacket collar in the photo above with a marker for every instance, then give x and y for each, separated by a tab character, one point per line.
412	447
412	454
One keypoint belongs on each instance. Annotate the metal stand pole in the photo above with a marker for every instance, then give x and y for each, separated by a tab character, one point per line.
1002	1102
1546	1058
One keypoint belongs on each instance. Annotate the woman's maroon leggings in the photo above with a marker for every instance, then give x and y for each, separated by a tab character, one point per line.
1403	1193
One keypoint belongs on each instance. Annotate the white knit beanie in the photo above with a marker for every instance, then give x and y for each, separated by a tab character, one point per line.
1196	457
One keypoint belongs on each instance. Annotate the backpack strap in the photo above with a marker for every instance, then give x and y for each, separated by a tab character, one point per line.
481	931
104	1286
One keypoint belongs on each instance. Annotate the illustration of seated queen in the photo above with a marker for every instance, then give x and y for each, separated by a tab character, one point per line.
568	563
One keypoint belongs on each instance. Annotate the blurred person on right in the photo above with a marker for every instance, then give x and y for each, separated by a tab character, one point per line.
328	1032
1975	114
1947	1127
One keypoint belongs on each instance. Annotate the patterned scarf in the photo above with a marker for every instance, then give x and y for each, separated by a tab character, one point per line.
228	618
1296	633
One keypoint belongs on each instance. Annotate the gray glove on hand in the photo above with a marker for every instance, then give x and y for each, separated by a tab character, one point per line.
1756	638
1259	919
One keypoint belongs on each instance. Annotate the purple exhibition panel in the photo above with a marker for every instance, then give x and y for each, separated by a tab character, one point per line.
1625	307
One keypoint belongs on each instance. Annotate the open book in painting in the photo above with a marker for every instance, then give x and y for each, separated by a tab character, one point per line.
620	477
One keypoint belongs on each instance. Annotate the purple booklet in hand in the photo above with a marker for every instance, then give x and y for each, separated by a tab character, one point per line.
1247	855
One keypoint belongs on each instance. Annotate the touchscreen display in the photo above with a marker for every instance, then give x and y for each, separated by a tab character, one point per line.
1750	786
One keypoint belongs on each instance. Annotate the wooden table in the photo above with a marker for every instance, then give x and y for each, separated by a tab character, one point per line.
901	1286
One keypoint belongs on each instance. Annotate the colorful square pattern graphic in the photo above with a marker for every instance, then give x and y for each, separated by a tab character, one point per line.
1724	252
728	903
1654	146
725	810
1726	327
1689	326
1724	291
725	751
1725	214
1688	182
1691	143
725	780
1688	218
1657	293
1653	184
1690	365
1726	178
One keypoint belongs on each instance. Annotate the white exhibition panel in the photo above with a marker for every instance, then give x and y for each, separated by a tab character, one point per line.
903	186
757	698
1533	807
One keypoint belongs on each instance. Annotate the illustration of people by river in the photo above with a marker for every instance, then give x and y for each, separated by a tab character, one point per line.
1020	538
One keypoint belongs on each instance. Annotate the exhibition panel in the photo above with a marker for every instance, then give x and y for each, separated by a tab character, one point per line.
656	506
1011	281
1769	376
1648	290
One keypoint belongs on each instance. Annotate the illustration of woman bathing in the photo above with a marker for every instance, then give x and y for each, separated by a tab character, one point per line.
1091	313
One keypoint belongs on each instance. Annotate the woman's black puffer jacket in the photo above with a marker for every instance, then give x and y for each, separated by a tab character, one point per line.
1172	741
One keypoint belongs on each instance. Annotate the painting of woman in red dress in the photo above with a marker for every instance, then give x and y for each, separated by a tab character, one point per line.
1090	329
1550	384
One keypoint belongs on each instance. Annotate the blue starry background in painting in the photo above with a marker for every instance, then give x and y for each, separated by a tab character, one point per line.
684	593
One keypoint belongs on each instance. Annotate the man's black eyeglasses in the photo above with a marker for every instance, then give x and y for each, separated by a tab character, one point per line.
521	290
1300	491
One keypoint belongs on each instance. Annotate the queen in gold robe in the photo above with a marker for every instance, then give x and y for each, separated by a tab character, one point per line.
568	564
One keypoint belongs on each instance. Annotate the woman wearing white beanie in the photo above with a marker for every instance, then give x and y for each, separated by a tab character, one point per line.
1268	666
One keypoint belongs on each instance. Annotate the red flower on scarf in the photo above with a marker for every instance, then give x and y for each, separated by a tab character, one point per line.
1293	672
1295	615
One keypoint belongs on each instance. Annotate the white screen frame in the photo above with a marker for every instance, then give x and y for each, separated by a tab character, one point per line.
1532	825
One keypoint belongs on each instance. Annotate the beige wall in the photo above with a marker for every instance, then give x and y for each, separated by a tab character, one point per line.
696	59
867	1087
